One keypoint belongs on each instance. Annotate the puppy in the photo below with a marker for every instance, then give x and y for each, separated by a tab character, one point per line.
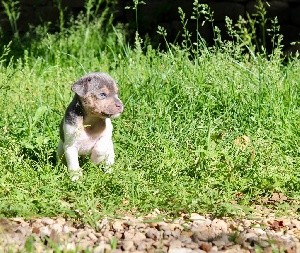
86	128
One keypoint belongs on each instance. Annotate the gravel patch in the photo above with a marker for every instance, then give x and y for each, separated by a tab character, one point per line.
189	233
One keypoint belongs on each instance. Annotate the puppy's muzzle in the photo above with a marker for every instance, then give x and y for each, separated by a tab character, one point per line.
119	107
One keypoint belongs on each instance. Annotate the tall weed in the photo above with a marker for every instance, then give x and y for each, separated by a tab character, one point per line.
12	10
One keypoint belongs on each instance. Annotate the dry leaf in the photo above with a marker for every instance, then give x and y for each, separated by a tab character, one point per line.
276	225
242	141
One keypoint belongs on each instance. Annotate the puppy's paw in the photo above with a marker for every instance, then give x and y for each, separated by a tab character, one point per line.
75	175
108	169
109	160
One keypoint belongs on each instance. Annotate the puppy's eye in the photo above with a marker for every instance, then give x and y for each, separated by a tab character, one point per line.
102	95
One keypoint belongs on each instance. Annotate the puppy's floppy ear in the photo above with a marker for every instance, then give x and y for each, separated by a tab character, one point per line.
80	87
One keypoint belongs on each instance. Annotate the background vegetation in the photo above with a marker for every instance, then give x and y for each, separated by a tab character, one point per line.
205	129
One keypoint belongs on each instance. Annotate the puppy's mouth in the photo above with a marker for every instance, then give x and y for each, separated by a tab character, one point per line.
111	116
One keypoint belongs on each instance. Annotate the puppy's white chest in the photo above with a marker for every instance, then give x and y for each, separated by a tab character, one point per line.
85	140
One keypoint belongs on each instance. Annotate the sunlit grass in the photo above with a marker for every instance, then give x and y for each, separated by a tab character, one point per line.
211	134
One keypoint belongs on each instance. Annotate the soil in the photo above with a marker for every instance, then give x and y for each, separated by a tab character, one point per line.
188	233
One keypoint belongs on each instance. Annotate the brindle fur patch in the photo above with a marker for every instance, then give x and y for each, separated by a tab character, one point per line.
89	87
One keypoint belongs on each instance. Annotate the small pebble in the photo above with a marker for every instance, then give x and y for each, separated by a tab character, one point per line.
47	221
128	245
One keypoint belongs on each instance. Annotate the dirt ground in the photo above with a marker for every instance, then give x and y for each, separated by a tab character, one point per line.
188	233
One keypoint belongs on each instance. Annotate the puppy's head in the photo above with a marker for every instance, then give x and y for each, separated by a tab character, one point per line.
98	94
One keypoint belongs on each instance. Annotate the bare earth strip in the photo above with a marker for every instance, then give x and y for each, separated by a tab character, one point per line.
189	233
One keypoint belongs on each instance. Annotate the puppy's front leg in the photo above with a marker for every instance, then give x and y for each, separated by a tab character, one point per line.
104	151
71	154
60	152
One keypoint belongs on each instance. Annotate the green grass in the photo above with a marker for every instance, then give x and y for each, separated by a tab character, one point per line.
178	143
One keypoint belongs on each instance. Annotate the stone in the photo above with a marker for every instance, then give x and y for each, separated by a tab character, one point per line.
251	236
128	245
145	245
165	228
157	244
81	233
185	238
259	231
205	246
195	216
118	235
138	237
199	223
22	231
85	244
220	225
214	249
174	226
118	226
128	235
118	251
240	228
204	234
166	242
93	237
175	244
66	229
192	245
54	236
176	233
263	243
163	225
140	225
180	250
296	223
142	246
103	224
268	250
47	221
108	234
152	233
247	223
57	227
235	249
167	233
222	241
45	231
71	246
61	221
38	247
36	225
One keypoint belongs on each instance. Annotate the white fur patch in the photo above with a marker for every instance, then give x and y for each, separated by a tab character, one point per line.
78	142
